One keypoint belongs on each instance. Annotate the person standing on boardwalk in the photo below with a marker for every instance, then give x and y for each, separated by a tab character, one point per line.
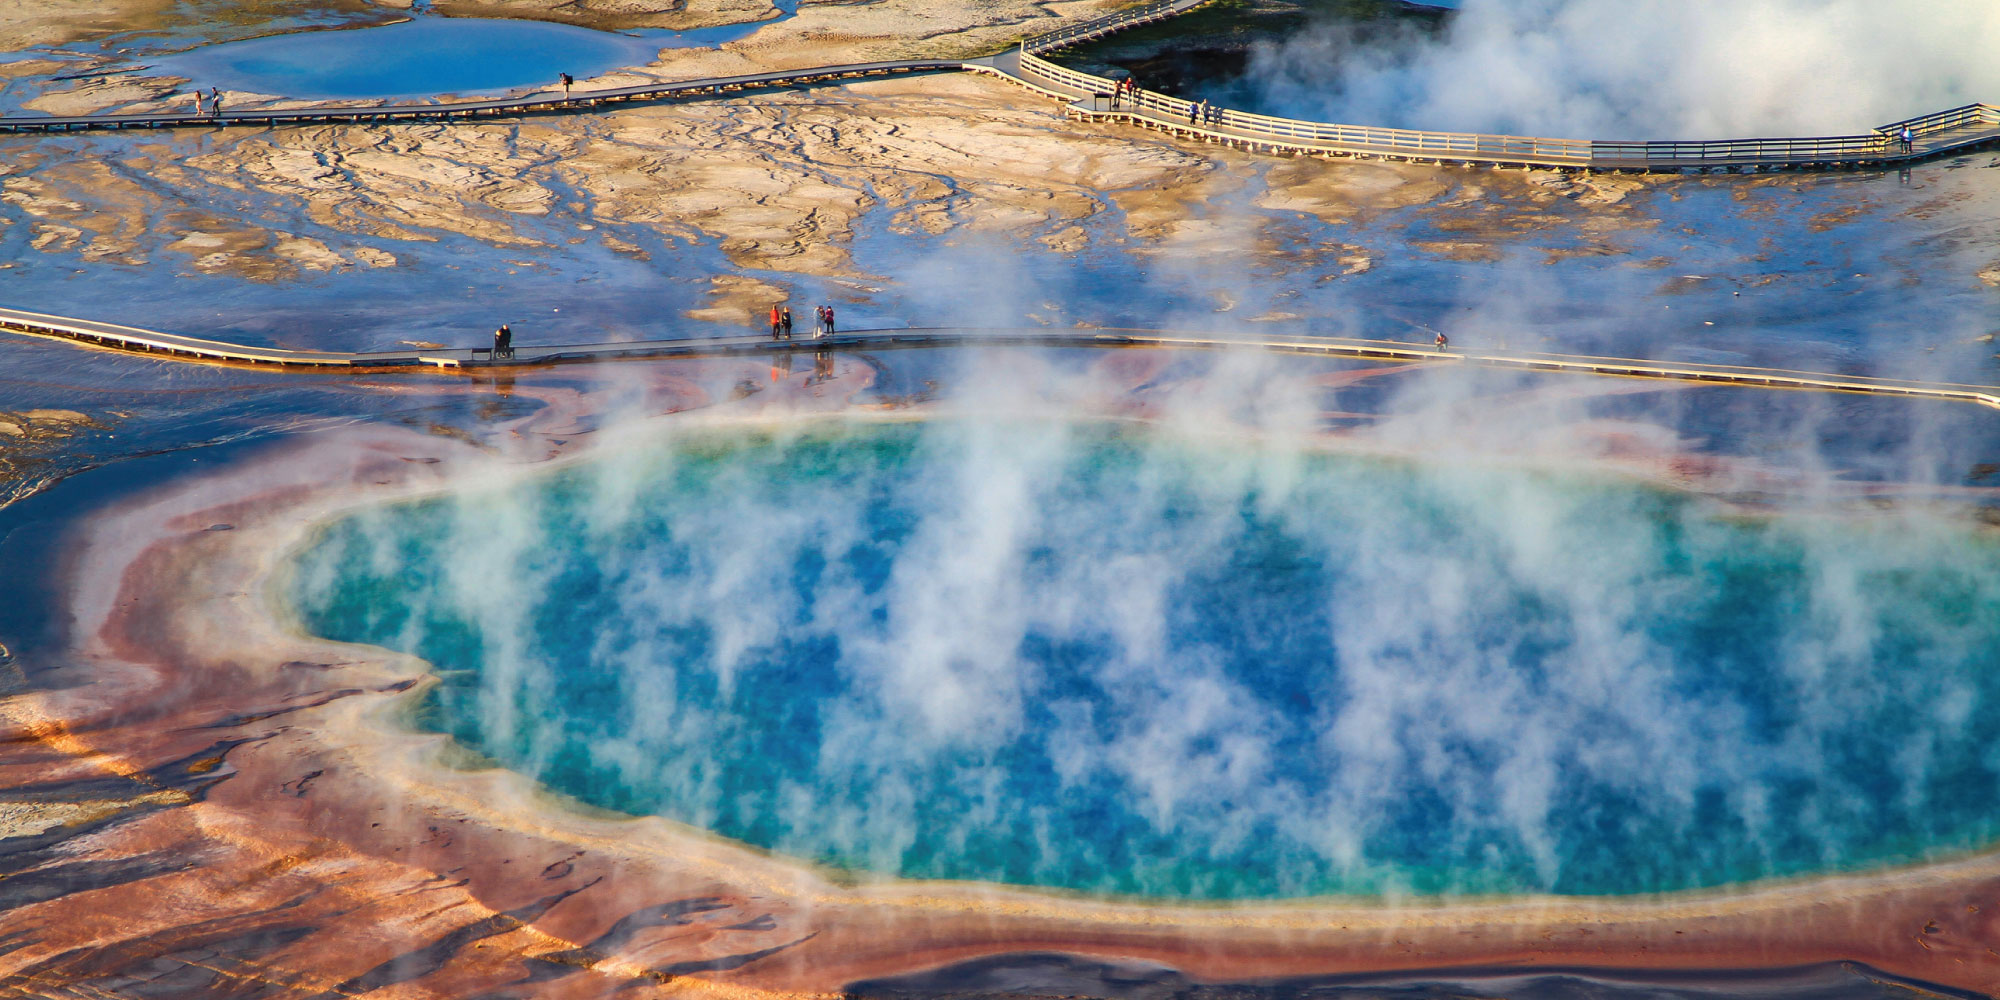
567	80
199	106
829	320
774	322
1909	140
1443	342
786	316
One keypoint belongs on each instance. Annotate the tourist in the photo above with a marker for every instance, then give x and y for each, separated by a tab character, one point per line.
775	319
1443	342
199	107
787	317
829	320
1909	140
499	341
819	321
566	82
215	106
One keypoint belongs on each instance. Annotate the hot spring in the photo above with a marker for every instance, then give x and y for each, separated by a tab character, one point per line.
1121	659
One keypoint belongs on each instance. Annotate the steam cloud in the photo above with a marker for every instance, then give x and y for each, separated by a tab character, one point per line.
1647	69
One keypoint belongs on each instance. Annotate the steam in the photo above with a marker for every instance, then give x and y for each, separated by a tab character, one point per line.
1007	644
1646	69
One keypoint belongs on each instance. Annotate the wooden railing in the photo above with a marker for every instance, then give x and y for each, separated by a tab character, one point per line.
1969	116
1077	34
1250	127
1799	151
542	102
176	347
1881	145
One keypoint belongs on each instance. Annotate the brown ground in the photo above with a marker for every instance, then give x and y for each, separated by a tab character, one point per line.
29	23
780	182
611	15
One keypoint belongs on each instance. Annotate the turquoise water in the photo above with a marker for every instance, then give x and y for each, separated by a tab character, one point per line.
421	57
1121	661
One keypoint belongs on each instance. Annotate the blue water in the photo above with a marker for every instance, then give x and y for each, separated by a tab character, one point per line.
1121	661
425	56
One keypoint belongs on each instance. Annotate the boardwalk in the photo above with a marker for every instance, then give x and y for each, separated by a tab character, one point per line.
1090	97
465	360
1087	97
539	103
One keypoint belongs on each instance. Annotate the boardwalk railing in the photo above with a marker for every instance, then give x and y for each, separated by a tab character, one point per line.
1969	116
1320	136
1091	30
1932	134
504	106
182	348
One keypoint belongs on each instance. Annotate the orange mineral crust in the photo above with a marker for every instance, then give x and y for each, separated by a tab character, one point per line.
203	801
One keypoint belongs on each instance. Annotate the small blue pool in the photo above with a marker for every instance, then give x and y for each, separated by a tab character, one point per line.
425	56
